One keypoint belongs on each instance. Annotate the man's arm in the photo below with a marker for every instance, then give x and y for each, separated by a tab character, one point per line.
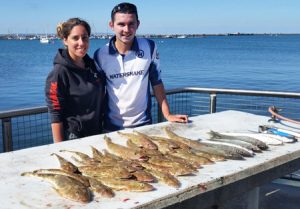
159	92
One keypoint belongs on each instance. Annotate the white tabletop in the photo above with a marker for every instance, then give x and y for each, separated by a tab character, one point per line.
28	192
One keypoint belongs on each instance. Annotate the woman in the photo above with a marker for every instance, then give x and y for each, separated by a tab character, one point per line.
74	88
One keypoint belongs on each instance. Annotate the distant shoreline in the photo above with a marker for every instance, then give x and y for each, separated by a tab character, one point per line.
107	36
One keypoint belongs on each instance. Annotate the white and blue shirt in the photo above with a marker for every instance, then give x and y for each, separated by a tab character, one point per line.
127	82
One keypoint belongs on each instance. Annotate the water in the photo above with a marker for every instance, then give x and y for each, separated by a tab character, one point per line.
236	62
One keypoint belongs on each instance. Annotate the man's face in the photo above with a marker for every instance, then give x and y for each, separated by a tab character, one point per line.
124	26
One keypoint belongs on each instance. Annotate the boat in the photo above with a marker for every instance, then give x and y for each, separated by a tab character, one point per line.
181	36
44	40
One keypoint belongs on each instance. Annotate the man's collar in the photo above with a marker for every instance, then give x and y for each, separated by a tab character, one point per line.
113	49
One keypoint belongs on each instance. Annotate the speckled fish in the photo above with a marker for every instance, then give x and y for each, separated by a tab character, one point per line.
143	176
191	157
163	161
164	145
176	171
75	176
123	151
65	186
165	178
100	189
80	157
210	156
139	139
145	151
126	185
180	160
66	165
236	136
97	155
112	171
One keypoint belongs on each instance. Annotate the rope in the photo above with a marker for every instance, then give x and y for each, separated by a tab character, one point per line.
275	115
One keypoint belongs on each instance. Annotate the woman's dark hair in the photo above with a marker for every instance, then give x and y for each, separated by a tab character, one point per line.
125	8
63	30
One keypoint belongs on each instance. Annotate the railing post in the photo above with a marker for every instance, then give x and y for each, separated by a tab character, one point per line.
213	103
7	134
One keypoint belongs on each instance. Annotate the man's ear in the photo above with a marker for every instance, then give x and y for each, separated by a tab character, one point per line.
111	25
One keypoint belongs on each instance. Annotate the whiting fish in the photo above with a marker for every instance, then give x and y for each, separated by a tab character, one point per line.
65	186
241	137
231	149
265	138
243	144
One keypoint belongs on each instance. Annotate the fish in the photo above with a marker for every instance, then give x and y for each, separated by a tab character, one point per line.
100	189
176	171
124	152
80	157
164	145
243	144
97	155
182	140
125	185
186	143
139	139
236	136
283	139
145	151
211	156
143	176
65	186
191	157
184	169
112	171
265	138
230	148
165	178
66	165
78	177
194	165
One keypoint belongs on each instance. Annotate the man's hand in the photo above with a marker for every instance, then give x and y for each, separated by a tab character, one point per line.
177	118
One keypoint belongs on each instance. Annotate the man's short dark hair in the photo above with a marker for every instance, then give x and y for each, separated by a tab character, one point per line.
125	8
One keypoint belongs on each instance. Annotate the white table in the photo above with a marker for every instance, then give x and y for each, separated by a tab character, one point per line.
213	184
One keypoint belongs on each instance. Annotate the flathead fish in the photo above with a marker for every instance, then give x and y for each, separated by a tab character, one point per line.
126	185
65	186
65	164
165	178
139	139
124	152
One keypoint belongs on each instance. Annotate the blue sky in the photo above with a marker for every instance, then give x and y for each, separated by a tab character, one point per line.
157	16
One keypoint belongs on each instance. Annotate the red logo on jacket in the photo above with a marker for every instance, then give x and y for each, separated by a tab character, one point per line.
53	96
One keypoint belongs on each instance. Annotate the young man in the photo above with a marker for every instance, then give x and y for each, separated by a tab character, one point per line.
130	64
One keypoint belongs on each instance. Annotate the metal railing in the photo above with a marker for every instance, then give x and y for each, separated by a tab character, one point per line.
31	127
